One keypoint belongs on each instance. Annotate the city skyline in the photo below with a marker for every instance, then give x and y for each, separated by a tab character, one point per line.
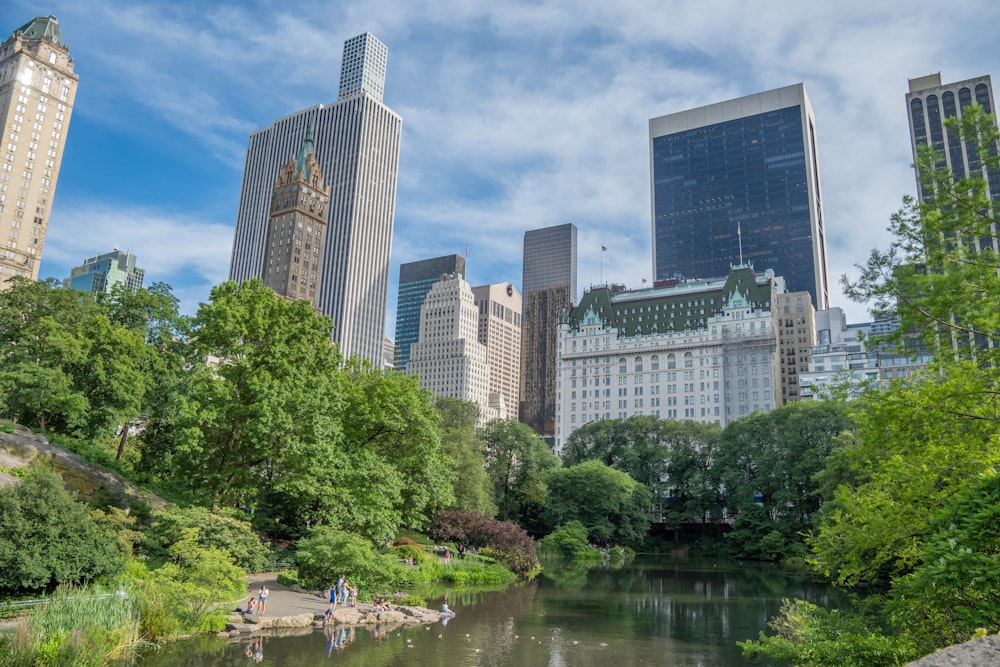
355	142
516	118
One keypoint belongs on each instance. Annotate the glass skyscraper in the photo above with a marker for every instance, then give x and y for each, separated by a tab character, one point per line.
415	280
929	103
742	172
548	287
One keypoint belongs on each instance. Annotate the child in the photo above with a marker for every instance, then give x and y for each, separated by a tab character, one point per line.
354	596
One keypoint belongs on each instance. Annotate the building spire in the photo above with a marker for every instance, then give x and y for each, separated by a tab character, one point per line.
307	148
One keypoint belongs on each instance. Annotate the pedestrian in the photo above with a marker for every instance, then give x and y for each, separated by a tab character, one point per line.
262	600
344	592
334	596
447	556
354	596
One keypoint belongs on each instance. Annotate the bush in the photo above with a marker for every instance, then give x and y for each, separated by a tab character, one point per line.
328	553
570	541
216	530
406	542
49	538
191	593
507	541
404	551
289	578
811	636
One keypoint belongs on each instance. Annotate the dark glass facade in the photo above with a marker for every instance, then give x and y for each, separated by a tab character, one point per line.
745	177
548	286
930	104
415	280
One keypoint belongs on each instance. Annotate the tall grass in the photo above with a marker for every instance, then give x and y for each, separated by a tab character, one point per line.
78	628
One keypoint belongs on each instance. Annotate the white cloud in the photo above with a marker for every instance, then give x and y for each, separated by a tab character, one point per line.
522	115
183	250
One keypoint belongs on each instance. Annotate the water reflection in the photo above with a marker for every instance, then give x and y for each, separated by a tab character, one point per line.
659	611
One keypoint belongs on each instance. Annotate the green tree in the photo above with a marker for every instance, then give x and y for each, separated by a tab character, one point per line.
611	505
637	446
767	464
956	588
395	471
517	462
215	530
473	491
41	346
939	274
48	538
915	447
266	412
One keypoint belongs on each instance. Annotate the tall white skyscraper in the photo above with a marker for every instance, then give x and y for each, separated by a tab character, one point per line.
448	356
363	67
357	148
500	331
37	89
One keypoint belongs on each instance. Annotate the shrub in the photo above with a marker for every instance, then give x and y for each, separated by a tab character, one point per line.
217	530
809	635
328	553
404	551
405	542
289	578
48	538
507	541
191	593
569	541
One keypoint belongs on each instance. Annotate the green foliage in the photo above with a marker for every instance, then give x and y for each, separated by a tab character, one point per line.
469	571
328	553
49	538
66	366
395	472
644	447
810	636
404	551
610	505
289	578
191	593
266	412
768	464
517	463
219	530
956	588
473	489
79	626
916	447
939	273
5	426
570	541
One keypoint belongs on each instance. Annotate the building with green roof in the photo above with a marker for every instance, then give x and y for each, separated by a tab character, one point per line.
703	350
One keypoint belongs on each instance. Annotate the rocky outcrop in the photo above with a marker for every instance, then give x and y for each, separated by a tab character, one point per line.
21	448
975	653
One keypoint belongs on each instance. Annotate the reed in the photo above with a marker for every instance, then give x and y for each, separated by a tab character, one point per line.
80	627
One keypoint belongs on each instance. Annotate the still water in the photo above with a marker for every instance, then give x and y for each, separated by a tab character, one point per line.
663	611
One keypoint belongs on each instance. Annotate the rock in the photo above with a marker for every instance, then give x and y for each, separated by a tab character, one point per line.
240	628
268	622
975	653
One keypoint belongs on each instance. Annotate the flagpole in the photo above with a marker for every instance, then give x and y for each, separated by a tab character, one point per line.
604	249
739	235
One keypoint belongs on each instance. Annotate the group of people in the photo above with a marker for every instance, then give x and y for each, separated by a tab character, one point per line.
340	593
256	605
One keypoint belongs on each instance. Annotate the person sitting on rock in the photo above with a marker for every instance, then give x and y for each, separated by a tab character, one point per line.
251	606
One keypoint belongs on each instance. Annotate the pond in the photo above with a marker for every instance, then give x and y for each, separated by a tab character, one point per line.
654	611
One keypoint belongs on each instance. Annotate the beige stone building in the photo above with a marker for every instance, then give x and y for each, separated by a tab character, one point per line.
795	320
294	251
37	89
500	331
448	357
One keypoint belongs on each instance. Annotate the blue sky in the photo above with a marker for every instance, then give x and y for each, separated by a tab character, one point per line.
515	116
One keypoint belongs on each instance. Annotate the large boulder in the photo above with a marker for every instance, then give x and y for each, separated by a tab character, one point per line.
975	653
